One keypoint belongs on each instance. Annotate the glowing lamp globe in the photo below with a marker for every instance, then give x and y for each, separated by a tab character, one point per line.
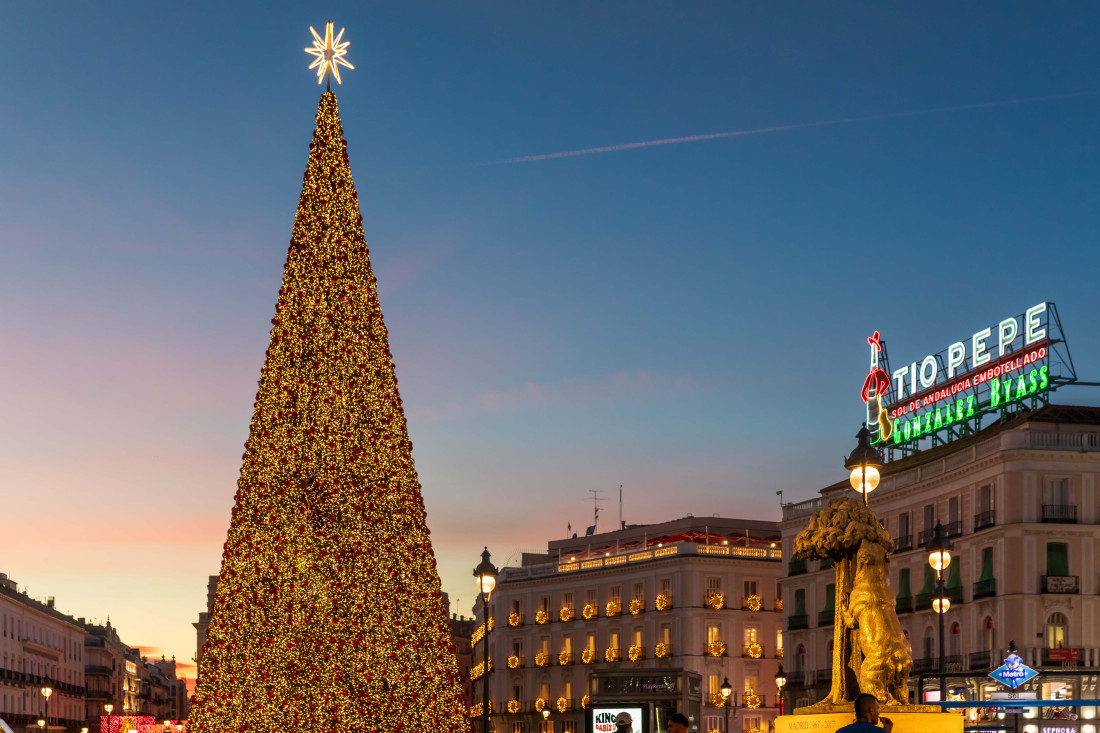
939	559
726	687
485	575
864	479
941	605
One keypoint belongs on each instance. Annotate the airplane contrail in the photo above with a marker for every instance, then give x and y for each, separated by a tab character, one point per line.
784	128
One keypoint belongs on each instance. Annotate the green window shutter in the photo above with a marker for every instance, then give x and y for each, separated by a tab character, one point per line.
1057	559
903	584
929	580
987	564
800	602
954	575
830	597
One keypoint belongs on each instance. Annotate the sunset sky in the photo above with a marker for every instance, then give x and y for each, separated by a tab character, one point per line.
616	243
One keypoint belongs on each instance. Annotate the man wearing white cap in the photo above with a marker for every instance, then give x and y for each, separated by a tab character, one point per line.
624	723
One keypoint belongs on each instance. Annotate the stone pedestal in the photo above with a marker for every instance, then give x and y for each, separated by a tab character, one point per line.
903	722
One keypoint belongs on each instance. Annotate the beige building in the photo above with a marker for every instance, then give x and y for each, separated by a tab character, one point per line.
1018	500
39	647
659	613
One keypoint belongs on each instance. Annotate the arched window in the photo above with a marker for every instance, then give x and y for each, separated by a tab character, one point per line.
800	658
1057	631
956	639
929	644
987	634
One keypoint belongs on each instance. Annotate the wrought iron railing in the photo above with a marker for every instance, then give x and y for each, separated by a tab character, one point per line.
1060	513
985	588
985	520
1059	584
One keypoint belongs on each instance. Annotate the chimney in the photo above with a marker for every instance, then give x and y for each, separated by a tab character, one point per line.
50	601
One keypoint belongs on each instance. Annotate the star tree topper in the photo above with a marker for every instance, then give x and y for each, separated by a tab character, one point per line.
329	52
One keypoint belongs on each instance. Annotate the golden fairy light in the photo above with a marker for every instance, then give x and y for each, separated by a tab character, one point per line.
329	53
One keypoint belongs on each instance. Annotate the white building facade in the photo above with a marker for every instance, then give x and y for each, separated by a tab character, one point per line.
661	614
39	647
1018	502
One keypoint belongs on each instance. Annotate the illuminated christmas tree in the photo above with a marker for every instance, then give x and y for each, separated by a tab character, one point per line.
328	614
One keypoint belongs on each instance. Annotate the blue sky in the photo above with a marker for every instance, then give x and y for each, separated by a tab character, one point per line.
687	320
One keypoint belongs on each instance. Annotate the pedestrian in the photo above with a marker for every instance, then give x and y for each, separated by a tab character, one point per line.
867	717
624	723
677	723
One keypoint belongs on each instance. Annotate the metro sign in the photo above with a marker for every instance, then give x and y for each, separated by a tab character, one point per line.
1013	672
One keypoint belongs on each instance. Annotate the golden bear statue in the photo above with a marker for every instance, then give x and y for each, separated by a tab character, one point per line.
887	656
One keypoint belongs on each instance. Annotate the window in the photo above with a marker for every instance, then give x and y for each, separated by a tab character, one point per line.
590	642
903	584
752	723
750	588
1056	492
713	634
956	639
714	685
517	648
544	605
985	499
714	585
666	633
903	525
929	644
639	591
779	643
615	593
666	587
953	510
544	645
568	726
929	517
568	691
567	600
567	644
590	597
613	640
750	683
1057	625
778	591
1058	559
987	635
752	635
800	602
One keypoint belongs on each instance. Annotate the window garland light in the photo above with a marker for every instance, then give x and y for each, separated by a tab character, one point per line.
542	617
566	613
754	602
562	705
662	650
590	612
716	600
513	661
514	619
614	608
637	606
635	652
664	602
565	658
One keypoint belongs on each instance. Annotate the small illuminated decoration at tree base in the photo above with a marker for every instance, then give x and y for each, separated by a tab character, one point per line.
328	613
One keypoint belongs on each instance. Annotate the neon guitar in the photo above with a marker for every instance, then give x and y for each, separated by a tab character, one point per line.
874	386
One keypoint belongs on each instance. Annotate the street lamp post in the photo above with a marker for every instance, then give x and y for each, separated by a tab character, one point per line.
46	692
939	557
545	717
864	463
727	692
486	575
780	681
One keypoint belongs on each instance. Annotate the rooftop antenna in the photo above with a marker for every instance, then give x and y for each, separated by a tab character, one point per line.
622	524
595	509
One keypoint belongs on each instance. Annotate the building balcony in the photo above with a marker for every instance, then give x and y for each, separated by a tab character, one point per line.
825	617
924	601
985	520
824	675
922	666
1058	584
904	605
797	566
753	650
1061	657
985	588
95	669
980	660
798	621
953	529
924	537
903	543
1060	513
